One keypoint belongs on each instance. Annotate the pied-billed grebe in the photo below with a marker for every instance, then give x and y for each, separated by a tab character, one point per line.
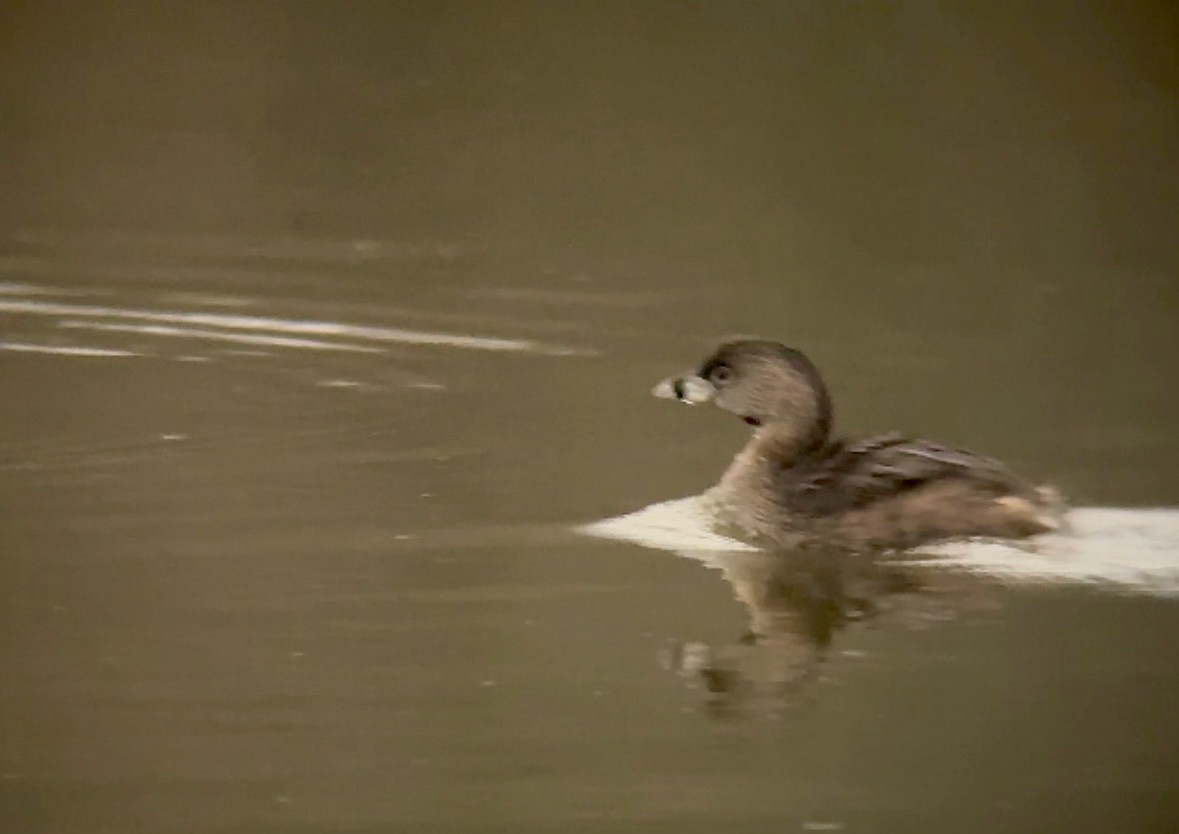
793	481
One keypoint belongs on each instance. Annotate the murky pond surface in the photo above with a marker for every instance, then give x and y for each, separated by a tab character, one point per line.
321	337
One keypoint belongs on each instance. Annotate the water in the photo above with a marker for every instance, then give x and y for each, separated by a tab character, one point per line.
322	336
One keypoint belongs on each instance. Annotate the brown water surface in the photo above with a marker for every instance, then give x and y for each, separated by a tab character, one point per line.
321	326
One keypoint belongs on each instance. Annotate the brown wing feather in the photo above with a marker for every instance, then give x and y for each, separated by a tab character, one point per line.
846	476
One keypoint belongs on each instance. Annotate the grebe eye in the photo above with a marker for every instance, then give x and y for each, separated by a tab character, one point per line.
721	373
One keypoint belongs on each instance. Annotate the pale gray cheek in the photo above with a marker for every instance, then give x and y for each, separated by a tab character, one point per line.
736	400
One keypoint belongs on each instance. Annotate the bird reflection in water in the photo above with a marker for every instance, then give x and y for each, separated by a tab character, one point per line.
797	603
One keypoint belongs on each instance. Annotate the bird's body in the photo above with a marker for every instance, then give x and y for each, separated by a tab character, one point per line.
793	480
